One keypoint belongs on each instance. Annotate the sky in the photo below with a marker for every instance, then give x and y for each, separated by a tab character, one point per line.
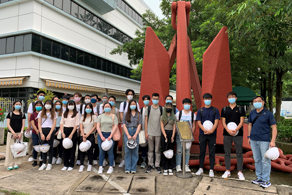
154	5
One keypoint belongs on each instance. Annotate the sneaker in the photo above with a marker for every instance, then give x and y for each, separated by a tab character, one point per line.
49	167
110	170
211	173
178	168
127	172
257	181
187	169
35	163
200	171
54	160
64	169
70	169
158	169
240	176
104	163
43	167
9	168
265	184
41	163
59	161
15	166
100	170
143	165
226	174
95	162
165	172
89	167
78	162
133	172
81	168
122	164
149	169
170	172
30	159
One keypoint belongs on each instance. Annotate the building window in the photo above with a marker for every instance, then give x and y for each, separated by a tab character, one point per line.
19	43
10	45
64	52
74	9
27	42
46	46
72	55
36	43
56	50
67	6
87	61
2	46
80	57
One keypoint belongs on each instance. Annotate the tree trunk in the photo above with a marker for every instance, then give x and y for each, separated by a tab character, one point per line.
279	84
264	86
271	78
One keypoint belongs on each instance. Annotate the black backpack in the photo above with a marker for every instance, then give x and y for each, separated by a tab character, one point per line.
180	114
149	109
214	113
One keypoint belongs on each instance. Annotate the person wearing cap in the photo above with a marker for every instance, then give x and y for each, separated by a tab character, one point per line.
261	121
233	113
132	125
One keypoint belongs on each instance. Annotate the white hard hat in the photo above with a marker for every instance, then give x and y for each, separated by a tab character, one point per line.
106	145
168	153
232	126
28	134
83	147
67	143
273	153
131	143
188	145
88	143
18	147
44	148
37	148
56	143
208	125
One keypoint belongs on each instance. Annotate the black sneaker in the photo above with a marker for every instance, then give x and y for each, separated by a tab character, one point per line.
257	181
149	169
41	163
158	169
265	184
35	163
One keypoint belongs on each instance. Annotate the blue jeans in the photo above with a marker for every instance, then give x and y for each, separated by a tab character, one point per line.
35	140
110	152
262	164
131	155
179	148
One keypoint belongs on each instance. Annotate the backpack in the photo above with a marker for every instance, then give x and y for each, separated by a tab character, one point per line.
224	110
125	104
214	113
180	114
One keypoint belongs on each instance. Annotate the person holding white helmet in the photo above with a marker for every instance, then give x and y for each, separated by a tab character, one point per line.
107	124
87	129
259	136
58	151
233	113
38	106
68	125
15	125
132	123
47	123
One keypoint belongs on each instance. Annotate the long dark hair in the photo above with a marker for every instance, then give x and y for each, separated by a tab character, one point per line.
37	102
44	111
85	114
14	105
70	102
164	115
60	112
128	115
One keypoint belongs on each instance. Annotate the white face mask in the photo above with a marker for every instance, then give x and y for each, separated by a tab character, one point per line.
48	106
130	97
70	107
87	101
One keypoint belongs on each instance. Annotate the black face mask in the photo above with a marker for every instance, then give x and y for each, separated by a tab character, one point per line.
168	110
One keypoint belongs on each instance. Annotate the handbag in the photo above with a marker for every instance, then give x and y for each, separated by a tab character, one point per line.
117	134
22	153
142	138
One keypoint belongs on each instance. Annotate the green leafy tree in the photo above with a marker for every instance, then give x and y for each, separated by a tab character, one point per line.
49	95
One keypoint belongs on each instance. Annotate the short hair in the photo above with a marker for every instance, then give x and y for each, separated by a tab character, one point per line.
258	96
207	96
155	94
130	90
105	96
66	97
94	95
86	95
187	101
77	93
146	96
38	93
108	104
231	93
112	97
169	96
71	96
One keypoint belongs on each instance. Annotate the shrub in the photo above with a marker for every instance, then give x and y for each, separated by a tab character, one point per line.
284	127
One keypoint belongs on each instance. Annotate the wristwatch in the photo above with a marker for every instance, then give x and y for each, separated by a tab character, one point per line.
248	136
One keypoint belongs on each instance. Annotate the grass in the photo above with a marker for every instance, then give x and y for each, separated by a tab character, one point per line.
6	192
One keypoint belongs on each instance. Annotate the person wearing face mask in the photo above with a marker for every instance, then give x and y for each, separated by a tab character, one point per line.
210	113
104	100
261	121
87	100
54	99
95	104
47	123
169	99
40	97
184	115
68	125
58	135
35	132
15	125
167	125
71	97
233	113
65	102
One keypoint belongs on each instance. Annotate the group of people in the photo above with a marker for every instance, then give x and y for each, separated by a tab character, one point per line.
97	121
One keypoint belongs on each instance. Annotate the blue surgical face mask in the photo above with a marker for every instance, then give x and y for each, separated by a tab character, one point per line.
98	103
207	102
107	110
88	110
168	101
133	107
155	102
187	106
38	108
231	100
146	102
258	105
112	103
17	107
41	97
58	107
65	102
93	100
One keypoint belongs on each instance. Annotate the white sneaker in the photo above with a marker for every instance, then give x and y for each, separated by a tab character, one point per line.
78	162
104	163
30	159
54	160
110	170
89	167
100	170
226	174
49	167
240	176
178	168
70	169
95	162
59	161
43	167
81	168
64	168
165	172
200	171
122	164
170	172
211	173
187	169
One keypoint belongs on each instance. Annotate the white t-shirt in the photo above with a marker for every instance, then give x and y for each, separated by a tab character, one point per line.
47	122
81	112
186	117
100	108
95	110
64	109
30	108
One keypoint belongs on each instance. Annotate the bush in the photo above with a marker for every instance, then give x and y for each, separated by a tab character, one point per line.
5	135
284	127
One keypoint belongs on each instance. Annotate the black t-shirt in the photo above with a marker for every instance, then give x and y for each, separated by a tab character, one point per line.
233	116
16	121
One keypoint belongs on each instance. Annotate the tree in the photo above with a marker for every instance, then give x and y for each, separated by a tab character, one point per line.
49	95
